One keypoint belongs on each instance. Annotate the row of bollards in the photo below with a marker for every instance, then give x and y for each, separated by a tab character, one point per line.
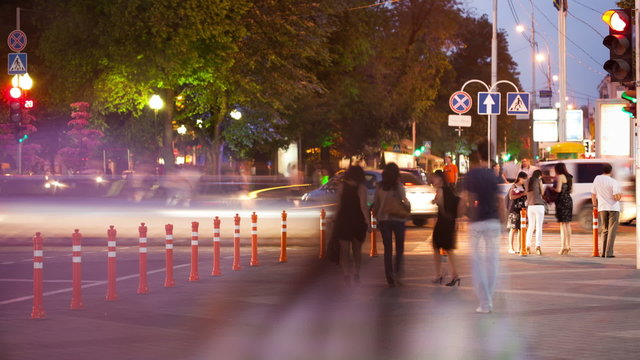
143	287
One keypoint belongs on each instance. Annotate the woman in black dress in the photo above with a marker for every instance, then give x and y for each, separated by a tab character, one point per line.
518	196
564	206
444	233
351	222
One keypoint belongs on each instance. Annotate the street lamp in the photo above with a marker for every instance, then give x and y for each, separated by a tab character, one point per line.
235	114
156	103
23	81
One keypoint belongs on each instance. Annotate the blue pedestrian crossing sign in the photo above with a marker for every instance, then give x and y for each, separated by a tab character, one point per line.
518	103
17	63
489	103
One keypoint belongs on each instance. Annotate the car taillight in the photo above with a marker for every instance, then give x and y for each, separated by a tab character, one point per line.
409	184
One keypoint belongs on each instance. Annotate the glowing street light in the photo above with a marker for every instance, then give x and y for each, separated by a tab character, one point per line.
156	102
235	114
23	81
182	129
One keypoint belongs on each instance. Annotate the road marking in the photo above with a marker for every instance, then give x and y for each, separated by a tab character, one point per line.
8	263
25	298
49	281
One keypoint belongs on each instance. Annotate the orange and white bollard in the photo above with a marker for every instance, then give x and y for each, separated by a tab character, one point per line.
111	264
37	312
194	275
168	251
523	232
283	238
596	251
374	226
216	247
323	232
254	240
143	286
76	270
236	243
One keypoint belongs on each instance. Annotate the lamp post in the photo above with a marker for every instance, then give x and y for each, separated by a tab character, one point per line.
156	103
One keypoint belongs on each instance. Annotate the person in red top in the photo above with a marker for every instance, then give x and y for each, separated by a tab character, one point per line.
450	171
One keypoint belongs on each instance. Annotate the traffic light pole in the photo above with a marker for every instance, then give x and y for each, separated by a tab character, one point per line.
637	140
20	158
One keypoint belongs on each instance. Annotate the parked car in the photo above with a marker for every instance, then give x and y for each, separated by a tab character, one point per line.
419	193
584	171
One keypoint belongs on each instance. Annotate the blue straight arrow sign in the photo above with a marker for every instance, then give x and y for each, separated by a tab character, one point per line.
488	103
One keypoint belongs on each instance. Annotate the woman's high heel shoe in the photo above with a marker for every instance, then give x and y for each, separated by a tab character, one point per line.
454	280
438	280
562	251
538	251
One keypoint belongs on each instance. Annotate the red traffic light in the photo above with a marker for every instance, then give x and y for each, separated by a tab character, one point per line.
15	92
618	20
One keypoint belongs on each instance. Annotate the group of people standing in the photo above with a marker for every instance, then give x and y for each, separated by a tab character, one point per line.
526	192
478	199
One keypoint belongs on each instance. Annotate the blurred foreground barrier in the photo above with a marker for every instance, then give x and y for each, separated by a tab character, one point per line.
37	312
283	238
596	252
143	287
523	232
254	240
168	248
194	275
112	295
76	270
323	230
216	247
236	243
374	226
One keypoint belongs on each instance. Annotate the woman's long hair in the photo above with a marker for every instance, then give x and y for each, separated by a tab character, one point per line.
521	175
355	173
534	177
390	176
561	168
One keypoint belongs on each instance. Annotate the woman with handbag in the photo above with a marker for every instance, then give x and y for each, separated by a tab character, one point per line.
444	233
518	196
351	222
392	209
535	210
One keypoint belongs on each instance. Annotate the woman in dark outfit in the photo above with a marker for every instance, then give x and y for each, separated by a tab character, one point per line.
444	233
351	222
564	206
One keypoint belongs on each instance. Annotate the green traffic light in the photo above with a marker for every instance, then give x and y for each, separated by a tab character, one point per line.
23	138
629	97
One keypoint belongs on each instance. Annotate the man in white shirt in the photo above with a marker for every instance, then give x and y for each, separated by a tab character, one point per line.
606	195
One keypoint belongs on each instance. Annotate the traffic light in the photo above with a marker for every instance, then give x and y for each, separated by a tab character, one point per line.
419	151
620	45
630	96
21	134
16	99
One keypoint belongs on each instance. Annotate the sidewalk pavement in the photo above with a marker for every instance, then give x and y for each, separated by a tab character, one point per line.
545	307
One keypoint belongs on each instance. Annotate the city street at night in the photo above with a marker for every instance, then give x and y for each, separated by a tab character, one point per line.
547	307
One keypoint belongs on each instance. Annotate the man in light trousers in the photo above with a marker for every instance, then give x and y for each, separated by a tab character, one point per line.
480	202
606	195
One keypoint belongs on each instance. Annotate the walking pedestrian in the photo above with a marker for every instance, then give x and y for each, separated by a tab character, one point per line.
390	191
480	201
606	195
450	171
564	205
518	197
444	233
535	210
351	222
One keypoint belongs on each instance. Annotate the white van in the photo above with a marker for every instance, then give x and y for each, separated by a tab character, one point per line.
584	171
